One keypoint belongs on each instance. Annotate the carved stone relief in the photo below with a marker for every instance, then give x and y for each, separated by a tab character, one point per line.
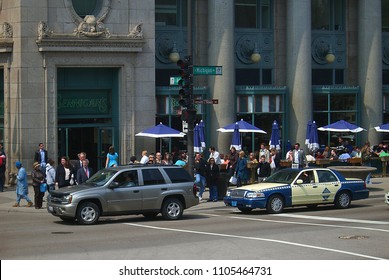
6	30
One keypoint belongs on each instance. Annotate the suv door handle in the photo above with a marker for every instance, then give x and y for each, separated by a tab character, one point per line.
136	191
163	189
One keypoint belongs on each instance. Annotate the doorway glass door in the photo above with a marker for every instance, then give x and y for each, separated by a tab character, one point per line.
93	141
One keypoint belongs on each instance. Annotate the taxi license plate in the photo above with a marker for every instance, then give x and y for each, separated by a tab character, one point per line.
234	203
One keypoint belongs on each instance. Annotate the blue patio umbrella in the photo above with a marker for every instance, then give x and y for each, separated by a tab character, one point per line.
313	138
196	143
382	128
308	133
275	136
202	135
236	142
243	127
342	126
160	131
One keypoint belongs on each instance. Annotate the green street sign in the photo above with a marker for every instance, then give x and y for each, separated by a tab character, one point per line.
207	70
174	81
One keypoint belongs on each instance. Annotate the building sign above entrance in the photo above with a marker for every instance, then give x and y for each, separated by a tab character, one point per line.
89	102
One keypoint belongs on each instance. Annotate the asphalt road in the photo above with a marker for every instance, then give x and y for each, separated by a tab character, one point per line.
209	231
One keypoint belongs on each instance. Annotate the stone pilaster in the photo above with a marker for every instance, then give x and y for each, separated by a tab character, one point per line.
221	53
370	67
298	67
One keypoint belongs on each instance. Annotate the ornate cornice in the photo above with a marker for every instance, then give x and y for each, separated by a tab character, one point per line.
88	39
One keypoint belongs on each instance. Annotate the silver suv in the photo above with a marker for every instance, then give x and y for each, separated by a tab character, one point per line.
132	189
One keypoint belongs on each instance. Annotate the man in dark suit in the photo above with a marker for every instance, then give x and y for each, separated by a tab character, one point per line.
84	173
77	164
41	157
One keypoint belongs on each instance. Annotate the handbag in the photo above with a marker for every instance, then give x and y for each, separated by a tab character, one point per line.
71	182
233	180
43	187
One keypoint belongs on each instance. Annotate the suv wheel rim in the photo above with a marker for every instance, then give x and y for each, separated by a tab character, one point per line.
173	209
88	214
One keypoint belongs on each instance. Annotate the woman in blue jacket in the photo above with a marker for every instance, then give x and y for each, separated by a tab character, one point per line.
21	186
241	169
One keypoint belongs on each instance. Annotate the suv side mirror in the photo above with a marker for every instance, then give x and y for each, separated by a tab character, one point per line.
113	185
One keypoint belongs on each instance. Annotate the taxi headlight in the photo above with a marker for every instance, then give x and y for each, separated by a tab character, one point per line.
255	195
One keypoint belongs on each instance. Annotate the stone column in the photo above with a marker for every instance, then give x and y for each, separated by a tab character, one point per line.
298	68
370	67
221	53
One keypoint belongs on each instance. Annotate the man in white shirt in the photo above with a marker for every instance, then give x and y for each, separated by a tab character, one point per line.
214	154
145	158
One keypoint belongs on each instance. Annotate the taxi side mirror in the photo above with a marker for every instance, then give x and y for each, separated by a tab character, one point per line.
299	181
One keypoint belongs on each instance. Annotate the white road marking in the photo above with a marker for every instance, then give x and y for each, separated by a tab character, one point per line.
255	238
295	223
334	219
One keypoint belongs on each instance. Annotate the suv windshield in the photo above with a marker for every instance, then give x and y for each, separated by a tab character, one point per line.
101	178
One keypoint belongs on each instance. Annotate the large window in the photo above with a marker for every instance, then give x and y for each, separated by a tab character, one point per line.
170	12
330	106
253	77
327	15
87	7
252	14
327	77
385	15
260	109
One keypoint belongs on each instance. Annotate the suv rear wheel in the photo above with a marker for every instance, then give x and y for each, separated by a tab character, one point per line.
172	209
87	213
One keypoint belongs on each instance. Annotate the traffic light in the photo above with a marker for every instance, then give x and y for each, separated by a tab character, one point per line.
186	83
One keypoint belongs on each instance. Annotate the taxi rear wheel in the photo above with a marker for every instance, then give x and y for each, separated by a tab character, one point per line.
275	204
343	200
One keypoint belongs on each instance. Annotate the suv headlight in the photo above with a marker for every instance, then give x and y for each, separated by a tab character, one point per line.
68	198
228	193
255	195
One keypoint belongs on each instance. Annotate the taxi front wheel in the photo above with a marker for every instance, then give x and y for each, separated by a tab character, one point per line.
275	204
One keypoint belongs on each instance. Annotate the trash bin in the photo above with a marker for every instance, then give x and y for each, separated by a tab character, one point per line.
222	185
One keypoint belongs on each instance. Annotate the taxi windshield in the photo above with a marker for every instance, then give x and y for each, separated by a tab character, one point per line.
283	176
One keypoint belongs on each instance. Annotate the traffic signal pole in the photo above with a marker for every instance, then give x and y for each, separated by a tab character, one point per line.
190	134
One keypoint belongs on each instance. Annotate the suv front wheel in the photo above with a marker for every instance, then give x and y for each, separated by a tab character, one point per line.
172	209
87	213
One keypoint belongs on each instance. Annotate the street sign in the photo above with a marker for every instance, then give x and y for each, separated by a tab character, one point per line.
174	81
207	70
206	101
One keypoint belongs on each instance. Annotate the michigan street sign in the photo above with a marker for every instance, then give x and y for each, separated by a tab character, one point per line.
207	70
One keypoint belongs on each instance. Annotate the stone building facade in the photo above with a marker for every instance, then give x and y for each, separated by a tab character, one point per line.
84	77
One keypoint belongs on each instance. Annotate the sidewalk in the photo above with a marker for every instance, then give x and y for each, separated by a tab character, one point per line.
379	186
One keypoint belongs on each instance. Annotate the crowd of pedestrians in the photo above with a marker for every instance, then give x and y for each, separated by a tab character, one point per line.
46	176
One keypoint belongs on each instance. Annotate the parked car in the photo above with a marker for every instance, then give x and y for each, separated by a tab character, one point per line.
133	189
387	198
295	187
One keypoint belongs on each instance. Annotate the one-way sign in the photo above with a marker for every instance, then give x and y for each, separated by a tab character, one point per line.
206	101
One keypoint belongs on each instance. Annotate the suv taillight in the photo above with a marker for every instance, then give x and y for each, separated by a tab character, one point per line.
194	189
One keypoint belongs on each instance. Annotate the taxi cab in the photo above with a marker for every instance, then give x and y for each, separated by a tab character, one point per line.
297	187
